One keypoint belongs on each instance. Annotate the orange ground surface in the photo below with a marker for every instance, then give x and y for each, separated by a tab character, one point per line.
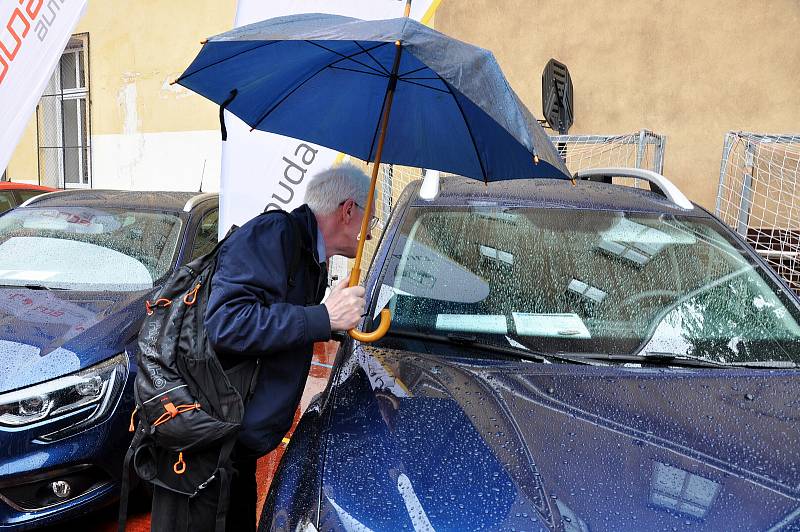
139	519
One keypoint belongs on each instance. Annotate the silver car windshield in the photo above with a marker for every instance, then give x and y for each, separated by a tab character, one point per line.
581	281
80	248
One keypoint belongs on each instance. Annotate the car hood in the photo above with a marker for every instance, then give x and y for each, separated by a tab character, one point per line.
455	444
48	333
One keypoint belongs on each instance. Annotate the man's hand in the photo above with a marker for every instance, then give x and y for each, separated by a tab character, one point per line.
345	306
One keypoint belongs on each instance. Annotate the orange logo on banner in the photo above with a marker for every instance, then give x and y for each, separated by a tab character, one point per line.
17	28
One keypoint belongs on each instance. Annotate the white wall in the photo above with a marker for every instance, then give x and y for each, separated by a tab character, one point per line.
157	161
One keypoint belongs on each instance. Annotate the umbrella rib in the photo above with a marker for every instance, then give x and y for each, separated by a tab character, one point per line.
350	57
278	103
426	86
373	58
469	130
404	74
377	126
215	63
275	106
359	71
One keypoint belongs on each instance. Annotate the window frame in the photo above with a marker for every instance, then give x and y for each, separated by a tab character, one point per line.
180	227
24	194
783	293
188	255
12	199
78	46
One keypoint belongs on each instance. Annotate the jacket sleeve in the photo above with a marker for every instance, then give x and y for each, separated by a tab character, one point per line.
247	311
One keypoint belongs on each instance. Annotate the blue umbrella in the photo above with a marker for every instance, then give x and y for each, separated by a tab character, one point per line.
391	91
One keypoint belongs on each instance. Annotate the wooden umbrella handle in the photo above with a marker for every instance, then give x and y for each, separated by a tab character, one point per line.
377	334
386	315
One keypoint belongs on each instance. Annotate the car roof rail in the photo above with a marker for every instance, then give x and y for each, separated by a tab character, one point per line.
40	197
200	198
663	186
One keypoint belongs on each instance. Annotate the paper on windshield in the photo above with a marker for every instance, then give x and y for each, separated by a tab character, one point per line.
552	325
625	230
385	295
474	323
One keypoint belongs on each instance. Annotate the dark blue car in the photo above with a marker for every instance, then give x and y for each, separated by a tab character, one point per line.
565	358
76	268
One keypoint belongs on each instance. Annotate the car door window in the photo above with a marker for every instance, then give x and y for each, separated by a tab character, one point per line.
206	237
6	201
25	195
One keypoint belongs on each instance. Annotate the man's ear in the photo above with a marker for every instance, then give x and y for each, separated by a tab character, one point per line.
347	210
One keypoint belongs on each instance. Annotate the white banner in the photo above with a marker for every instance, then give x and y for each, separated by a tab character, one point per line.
260	169
33	35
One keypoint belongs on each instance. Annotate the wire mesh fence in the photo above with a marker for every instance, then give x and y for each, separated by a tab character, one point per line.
642	149
758	196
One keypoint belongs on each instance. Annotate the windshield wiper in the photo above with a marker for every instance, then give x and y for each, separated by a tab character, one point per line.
30	286
695	361
471	340
655	358
763	364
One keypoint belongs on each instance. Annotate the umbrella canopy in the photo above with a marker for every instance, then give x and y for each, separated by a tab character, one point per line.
324	79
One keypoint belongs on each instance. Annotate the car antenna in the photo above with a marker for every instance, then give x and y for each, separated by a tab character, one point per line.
202	175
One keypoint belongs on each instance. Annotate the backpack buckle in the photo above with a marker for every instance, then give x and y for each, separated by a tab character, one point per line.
172	411
206	482
162	302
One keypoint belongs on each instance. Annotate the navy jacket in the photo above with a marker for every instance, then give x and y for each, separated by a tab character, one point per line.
254	312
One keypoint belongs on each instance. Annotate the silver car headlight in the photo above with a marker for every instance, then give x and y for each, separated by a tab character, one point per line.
81	397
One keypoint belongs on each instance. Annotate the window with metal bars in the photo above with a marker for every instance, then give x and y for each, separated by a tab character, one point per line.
63	120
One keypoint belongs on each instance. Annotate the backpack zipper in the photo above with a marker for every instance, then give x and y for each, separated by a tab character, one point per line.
162	393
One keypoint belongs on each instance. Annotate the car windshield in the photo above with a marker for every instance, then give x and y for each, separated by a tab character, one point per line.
81	248
587	282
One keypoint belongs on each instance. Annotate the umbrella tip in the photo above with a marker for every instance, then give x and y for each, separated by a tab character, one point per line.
535	159
173	82
204	41
574	184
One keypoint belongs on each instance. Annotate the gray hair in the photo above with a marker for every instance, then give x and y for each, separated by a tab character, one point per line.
330	188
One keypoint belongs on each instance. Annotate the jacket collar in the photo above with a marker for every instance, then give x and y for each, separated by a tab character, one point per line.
305	218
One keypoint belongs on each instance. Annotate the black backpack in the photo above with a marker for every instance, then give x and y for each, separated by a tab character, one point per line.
189	408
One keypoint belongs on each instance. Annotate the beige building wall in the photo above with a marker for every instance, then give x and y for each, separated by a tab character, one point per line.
145	133
689	70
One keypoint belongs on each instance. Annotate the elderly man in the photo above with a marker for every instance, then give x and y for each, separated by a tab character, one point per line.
265	303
